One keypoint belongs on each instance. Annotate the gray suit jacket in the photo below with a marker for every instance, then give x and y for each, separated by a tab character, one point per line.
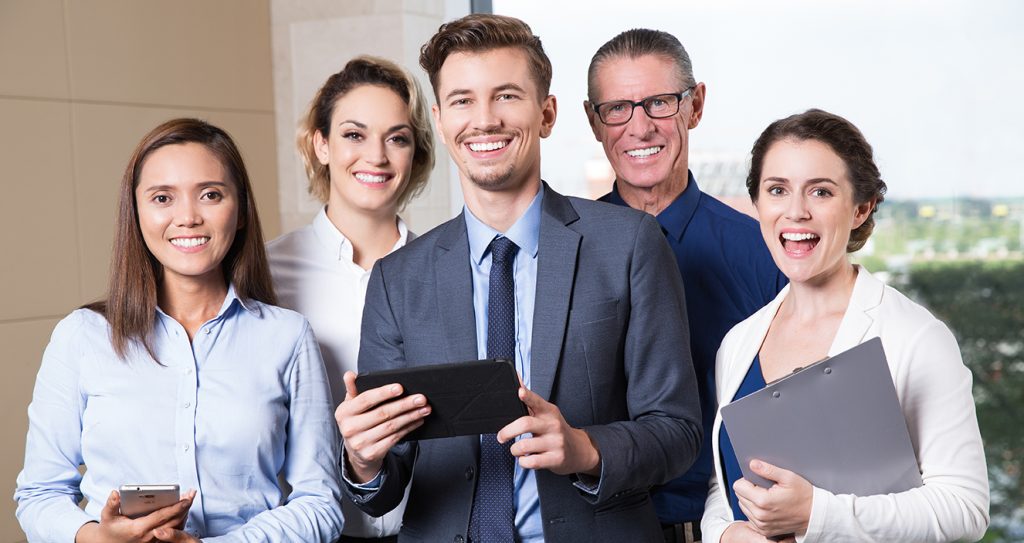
610	349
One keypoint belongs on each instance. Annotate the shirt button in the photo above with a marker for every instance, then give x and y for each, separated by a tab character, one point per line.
459	539
185	447
187	404
469	473
208	330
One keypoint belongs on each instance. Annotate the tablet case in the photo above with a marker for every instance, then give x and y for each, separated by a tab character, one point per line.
466	398
837	423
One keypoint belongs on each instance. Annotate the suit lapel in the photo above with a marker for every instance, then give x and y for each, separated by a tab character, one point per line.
556	271
455	291
866	295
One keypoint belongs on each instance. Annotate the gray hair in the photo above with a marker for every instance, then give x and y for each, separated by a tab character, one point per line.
639	42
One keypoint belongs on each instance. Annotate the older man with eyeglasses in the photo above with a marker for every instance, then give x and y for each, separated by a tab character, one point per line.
643	102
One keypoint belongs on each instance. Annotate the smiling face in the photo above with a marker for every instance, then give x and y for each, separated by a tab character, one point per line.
646	153
805	203
491	118
369	150
188	212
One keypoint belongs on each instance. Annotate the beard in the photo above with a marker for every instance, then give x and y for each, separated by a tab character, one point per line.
492	178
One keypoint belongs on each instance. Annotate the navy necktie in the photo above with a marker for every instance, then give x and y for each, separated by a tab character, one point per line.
493	518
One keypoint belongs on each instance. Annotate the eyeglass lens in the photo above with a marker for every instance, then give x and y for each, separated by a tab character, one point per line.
657	107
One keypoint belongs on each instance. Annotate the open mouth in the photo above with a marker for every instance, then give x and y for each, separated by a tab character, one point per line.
486	146
645	152
372	179
799	242
190	243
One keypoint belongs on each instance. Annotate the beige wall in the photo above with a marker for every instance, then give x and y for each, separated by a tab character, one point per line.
80	83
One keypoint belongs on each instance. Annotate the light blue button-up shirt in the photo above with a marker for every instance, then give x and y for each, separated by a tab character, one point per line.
526	234
224	414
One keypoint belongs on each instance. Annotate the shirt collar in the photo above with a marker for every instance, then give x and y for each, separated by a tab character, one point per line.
674	218
229	300
339	245
525	232
232	297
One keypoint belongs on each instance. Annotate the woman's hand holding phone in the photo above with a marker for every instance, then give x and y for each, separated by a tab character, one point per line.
115	527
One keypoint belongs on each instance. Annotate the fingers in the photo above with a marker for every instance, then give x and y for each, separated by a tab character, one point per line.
172	536
374	442
746	489
170	514
769	471
350	385
534	403
369	399
112	508
377	407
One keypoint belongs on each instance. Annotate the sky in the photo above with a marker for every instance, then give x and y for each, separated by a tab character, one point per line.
937	86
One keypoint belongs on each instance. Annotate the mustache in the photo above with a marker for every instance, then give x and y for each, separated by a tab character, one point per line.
477	134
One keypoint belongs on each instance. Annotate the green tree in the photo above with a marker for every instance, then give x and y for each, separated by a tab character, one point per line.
983	304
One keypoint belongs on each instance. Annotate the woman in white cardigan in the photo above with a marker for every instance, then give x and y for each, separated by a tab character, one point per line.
815	185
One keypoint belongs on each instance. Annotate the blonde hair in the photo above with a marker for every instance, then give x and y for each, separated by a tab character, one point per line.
367	70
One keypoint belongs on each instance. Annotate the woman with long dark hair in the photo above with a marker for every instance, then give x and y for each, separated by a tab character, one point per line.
186	374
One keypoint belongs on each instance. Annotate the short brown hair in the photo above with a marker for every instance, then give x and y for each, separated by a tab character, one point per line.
846	141
482	32
639	42
367	70
135	273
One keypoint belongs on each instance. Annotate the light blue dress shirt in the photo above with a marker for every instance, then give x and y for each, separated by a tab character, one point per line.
246	400
526	234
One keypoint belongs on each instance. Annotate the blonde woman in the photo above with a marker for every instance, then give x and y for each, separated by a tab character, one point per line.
368	150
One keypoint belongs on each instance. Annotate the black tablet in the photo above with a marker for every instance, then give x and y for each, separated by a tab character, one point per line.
466	398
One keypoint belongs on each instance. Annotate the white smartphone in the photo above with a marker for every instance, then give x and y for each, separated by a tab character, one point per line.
141	500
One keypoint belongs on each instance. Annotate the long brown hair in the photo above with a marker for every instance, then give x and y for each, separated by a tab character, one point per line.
135	273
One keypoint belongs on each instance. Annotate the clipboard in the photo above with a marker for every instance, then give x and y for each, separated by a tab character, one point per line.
465	398
837	423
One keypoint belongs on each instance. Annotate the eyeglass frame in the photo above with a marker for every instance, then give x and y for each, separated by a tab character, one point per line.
633	105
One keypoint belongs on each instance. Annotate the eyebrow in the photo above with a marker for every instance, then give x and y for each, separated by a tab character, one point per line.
499	88
809	181
358	124
204	184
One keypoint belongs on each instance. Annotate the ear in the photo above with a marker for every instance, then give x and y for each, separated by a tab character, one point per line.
593	120
437	123
698	94
323	150
861	213
549	111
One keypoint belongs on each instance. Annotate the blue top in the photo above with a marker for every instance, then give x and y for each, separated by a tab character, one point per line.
728	274
753	382
526	234
224	414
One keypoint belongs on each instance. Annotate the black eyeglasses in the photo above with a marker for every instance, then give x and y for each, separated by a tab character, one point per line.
659	106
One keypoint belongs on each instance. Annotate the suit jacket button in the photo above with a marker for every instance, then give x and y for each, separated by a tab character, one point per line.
469	473
459	539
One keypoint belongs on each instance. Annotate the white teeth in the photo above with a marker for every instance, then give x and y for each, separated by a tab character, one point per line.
793	236
487	146
367	178
189	242
644	152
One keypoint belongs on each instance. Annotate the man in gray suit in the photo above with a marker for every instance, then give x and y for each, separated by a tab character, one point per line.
585	296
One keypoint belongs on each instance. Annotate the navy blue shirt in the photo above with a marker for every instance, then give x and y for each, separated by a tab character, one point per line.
728	274
732	471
